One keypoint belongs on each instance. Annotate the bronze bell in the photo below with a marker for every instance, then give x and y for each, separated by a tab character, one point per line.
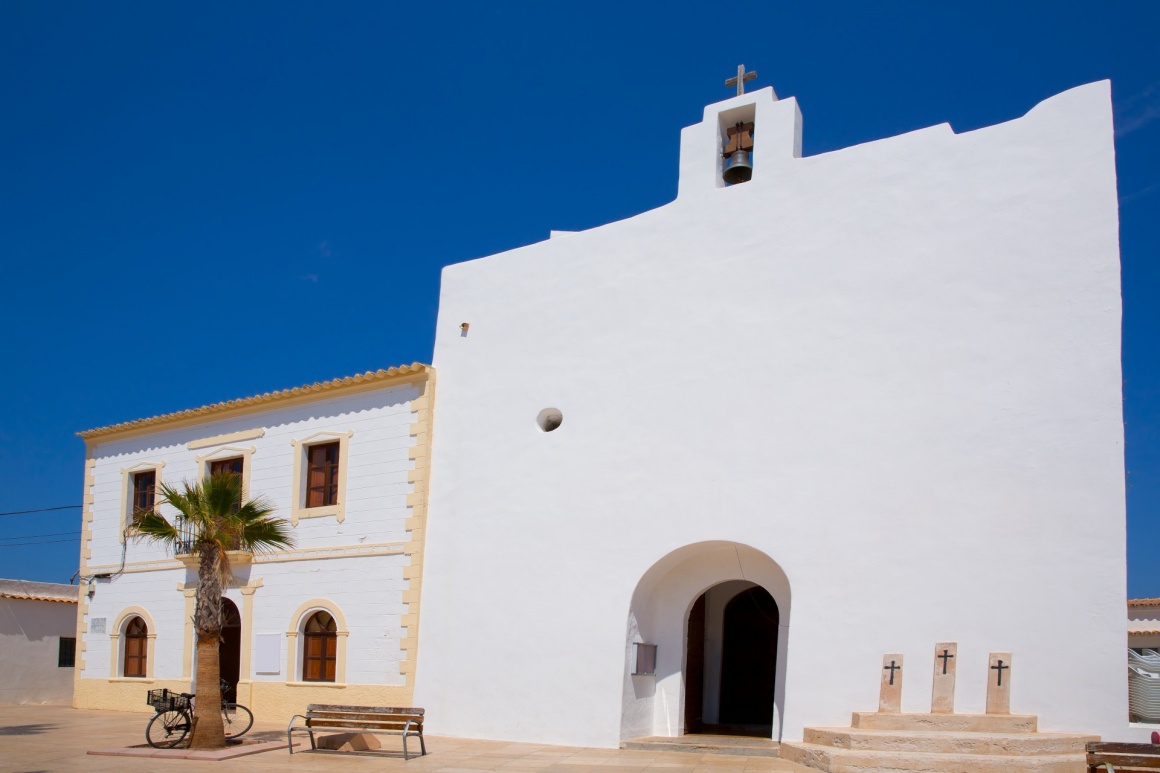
738	168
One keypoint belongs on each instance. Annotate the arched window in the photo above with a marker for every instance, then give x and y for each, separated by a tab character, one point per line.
319	648
136	648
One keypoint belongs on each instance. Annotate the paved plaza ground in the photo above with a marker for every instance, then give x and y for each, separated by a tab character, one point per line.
57	738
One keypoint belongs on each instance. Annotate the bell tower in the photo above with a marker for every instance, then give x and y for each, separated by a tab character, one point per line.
738	152
748	137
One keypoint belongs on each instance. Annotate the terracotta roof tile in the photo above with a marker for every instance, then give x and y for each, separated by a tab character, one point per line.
347	382
38	591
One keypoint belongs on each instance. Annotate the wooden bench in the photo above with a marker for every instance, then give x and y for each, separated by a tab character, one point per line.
1103	756
371	719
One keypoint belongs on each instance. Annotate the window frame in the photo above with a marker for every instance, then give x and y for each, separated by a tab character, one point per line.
329	470
328	641
128	477
296	642
117	645
138	642
300	492
224	453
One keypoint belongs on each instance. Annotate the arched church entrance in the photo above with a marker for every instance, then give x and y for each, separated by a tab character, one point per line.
230	649
731	661
712	621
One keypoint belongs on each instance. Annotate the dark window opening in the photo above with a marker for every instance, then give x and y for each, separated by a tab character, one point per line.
66	656
322	475
144	493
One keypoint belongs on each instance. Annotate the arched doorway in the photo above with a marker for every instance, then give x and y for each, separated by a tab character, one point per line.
230	649
731	661
679	607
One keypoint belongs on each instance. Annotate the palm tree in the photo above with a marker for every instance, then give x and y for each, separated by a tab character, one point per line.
212	518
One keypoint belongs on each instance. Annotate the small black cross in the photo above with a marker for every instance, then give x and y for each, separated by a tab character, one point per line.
892	668
1000	668
946	656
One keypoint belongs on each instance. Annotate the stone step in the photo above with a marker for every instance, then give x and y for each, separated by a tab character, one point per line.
827	758
961	723
948	742
706	744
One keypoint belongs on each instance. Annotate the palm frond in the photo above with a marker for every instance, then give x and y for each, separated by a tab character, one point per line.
262	535
154	526
223	494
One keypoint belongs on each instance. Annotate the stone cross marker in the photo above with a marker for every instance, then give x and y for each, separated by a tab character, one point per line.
999	683
942	697
742	76
890	693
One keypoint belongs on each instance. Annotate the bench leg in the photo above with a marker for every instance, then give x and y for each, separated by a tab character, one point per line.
289	742
422	743
405	757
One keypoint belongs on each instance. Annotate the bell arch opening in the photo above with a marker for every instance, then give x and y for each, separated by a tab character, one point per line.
718	613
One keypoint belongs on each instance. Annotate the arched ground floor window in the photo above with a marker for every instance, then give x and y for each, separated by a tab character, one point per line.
319	648
136	662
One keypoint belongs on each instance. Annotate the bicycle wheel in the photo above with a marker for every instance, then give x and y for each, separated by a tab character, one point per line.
167	729
237	719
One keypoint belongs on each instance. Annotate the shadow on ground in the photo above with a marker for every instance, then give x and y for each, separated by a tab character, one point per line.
26	729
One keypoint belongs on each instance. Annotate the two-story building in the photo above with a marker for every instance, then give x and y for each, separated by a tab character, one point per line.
333	619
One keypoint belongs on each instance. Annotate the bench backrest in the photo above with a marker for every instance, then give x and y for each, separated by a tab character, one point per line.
379	717
1134	756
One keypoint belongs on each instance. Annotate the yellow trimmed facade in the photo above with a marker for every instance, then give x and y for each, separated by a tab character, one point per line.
283	425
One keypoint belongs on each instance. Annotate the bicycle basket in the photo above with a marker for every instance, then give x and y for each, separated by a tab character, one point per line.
163	700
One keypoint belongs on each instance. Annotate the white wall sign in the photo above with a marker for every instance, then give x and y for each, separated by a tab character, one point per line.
268	653
97	625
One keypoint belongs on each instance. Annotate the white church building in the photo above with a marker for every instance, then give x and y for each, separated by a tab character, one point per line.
698	469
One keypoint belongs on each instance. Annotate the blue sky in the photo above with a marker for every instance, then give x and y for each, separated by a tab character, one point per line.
178	181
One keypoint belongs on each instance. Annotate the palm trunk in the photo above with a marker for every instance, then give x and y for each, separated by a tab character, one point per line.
210	731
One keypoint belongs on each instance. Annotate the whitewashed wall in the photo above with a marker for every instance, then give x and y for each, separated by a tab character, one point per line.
367	589
892	369
30	633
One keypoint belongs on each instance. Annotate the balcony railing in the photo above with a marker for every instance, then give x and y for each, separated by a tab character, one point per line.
186	538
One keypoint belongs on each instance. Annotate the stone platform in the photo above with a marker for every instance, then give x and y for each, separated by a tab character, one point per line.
939	743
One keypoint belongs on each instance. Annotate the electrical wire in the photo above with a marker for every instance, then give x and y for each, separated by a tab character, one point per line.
43	510
38	536
42	542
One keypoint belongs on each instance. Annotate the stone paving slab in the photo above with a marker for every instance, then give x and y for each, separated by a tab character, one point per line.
48	739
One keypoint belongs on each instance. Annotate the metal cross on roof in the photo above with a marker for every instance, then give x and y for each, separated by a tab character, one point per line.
739	81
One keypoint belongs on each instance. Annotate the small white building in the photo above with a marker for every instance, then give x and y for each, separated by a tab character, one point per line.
867	401
37	641
349	588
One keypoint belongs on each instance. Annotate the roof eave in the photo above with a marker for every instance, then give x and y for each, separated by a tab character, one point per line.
215	411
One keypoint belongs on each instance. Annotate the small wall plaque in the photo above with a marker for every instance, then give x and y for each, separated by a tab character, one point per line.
97	625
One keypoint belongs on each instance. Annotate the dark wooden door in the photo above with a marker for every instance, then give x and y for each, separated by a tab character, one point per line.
749	659
695	668
230	649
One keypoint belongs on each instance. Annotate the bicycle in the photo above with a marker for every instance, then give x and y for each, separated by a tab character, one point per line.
173	718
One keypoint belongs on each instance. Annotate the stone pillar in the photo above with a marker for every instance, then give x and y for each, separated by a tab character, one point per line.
942	697
245	681
189	589
999	683
890	693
